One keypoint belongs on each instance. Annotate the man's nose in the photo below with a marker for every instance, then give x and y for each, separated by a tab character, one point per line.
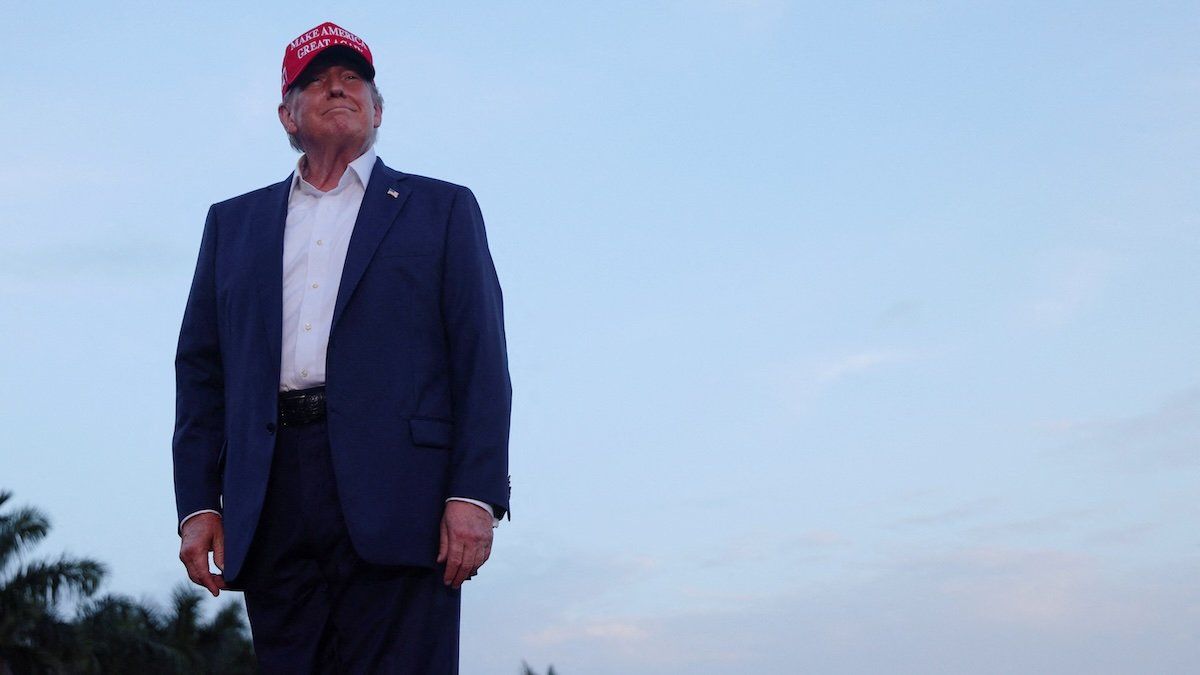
334	87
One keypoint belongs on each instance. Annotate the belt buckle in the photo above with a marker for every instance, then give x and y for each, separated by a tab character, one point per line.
302	409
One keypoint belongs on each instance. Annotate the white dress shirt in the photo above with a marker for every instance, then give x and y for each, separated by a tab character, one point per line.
316	237
315	240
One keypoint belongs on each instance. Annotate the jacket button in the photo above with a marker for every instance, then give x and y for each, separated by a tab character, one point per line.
270	427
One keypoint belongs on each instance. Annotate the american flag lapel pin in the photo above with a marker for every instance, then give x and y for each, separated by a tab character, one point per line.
392	193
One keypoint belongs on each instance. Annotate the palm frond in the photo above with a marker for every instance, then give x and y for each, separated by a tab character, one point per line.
225	645
40	642
50	582
184	620
230	619
123	635
20	529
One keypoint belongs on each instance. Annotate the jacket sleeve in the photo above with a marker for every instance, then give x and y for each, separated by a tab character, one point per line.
481	392
199	389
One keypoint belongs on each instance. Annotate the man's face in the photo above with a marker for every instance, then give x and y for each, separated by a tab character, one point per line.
333	109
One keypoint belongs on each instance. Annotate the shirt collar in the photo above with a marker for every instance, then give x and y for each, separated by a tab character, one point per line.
359	169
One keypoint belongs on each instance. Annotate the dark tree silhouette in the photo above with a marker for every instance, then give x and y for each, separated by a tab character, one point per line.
34	637
122	635
109	634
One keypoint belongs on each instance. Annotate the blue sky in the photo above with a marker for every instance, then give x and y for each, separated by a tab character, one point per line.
845	337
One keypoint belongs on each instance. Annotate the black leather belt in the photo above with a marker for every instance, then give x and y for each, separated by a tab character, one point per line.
303	406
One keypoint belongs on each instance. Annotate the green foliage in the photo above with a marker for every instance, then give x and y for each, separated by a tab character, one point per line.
109	634
123	635
34	637
526	670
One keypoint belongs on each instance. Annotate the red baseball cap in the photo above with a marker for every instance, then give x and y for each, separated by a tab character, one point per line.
301	51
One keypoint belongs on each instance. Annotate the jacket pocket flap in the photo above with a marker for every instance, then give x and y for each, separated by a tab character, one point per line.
431	433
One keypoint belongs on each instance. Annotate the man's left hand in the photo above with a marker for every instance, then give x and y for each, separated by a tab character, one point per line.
466	541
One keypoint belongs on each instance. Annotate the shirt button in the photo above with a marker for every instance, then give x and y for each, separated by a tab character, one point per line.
315	284
320	242
308	326
304	373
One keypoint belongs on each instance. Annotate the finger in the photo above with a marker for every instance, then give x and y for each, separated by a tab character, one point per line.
213	583
480	558
454	565
463	574
443	543
202	577
467	568
195	560
472	569
453	561
219	550
477	551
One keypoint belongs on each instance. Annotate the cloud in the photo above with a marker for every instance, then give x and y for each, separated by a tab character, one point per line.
763	546
1164	438
1126	535
808	378
955	514
1038	590
980	609
555	579
841	367
1051	523
902	313
616	633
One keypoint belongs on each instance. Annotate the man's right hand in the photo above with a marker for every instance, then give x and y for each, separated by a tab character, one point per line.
201	534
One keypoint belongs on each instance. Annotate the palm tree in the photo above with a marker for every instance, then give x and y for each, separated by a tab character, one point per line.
33	636
219	645
110	634
124	636
224	643
120	635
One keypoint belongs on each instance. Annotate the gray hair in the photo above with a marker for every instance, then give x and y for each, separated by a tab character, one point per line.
289	102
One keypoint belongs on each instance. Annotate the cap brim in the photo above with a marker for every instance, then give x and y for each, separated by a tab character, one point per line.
333	51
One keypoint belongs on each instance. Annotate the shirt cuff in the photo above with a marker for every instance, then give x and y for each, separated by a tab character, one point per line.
483	505
193	515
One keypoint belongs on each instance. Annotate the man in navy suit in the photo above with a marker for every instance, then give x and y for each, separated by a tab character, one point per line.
343	398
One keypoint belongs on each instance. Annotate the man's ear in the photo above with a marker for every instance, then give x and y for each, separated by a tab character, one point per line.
378	116
288	122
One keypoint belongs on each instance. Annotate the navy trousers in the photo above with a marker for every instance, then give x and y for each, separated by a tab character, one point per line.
314	605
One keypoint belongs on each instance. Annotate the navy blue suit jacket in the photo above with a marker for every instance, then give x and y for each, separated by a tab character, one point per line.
417	385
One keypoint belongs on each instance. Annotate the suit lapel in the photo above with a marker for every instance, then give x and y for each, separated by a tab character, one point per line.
268	221
384	196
